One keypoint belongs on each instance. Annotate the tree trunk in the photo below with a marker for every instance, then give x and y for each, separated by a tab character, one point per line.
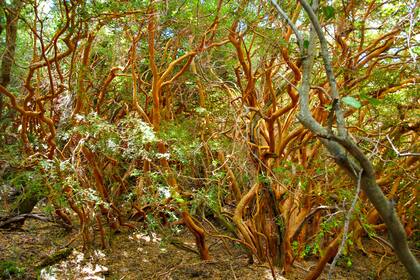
12	16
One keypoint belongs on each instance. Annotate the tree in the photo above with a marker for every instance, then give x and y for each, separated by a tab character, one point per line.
341	146
132	113
11	12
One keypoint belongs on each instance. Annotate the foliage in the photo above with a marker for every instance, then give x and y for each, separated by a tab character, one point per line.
9	269
140	112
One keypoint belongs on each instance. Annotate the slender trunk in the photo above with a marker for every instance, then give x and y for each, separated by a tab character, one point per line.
12	16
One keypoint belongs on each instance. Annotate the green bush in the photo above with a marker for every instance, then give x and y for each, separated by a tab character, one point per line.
9	269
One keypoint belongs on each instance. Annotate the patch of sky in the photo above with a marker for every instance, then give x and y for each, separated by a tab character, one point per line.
168	33
242	26
45	8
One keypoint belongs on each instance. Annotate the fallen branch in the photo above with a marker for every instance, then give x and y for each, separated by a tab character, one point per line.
55	258
23	217
181	245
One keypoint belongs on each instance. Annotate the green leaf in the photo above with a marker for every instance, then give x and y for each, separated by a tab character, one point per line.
351	101
371	100
374	101
135	173
214	163
306	44
328	107
328	12
200	110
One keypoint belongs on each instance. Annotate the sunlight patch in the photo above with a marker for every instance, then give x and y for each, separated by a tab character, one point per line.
77	266
152	237
268	275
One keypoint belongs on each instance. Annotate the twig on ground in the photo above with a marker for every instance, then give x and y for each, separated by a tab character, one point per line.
233	272
382	269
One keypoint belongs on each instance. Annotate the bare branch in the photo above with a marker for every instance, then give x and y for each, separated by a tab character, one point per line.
328	67
291	24
23	217
346	224
397	152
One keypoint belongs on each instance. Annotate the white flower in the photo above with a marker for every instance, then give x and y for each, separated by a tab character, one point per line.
79	117
111	145
164	192
164	155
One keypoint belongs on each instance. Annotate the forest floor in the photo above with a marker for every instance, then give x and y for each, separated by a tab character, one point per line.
137	255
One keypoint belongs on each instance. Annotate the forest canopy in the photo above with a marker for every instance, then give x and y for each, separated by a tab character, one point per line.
287	128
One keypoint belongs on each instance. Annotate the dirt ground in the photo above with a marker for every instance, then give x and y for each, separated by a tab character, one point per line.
138	255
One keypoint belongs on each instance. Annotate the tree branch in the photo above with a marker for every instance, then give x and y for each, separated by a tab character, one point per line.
346	225
397	152
292	25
